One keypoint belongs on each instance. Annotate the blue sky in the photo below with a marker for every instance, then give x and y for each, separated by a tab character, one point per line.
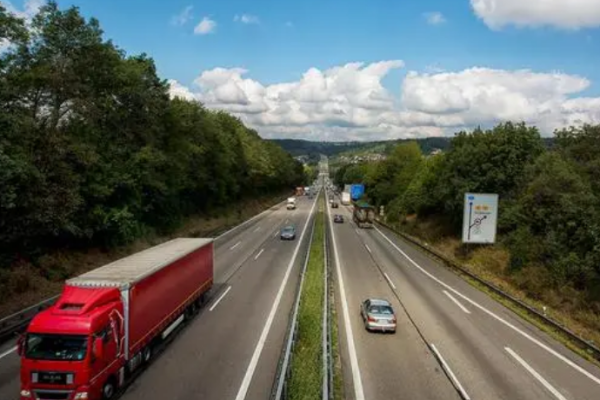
290	37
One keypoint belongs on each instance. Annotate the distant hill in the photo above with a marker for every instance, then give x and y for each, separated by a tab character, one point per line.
298	147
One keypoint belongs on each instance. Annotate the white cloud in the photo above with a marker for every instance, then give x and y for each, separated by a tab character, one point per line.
349	102
434	18
247	19
566	14
205	26
178	90
30	8
183	17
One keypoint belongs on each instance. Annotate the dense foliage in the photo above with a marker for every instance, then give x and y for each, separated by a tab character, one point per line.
94	152
549	195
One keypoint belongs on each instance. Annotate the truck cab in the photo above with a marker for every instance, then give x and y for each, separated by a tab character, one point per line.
68	350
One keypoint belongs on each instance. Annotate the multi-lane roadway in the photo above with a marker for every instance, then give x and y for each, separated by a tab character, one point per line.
452	340
231	349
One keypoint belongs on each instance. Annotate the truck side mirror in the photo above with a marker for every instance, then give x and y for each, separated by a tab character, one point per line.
21	345
98	348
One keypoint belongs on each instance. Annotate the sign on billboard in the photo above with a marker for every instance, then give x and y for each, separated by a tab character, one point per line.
357	191
479	218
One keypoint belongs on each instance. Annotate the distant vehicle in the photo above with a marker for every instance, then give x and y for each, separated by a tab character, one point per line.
291	203
307	190
345	198
300	191
288	233
339	219
334	204
378	315
364	215
107	321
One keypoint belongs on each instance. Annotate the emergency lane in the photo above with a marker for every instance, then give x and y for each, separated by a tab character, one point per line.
225	265
210	358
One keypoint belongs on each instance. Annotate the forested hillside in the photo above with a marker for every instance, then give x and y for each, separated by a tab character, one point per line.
93	152
549	218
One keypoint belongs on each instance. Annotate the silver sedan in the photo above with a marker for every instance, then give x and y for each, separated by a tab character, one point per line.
378	315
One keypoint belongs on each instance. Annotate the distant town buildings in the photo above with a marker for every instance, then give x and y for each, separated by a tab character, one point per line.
362	158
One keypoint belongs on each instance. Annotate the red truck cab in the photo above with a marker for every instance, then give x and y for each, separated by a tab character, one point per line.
105	322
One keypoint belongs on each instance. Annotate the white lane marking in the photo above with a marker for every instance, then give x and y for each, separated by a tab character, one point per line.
368	249
235	245
358	387
537	376
456	302
287	220
7	352
275	234
446	367
491	314
257	229
249	220
259	253
389	280
241	395
219	299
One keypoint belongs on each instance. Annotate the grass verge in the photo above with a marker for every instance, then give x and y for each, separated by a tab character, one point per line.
488	264
29	282
338	383
306	368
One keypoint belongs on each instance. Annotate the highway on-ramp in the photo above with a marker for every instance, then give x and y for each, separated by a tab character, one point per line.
447	331
230	351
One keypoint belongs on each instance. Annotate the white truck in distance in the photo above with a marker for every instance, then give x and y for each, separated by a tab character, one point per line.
345	198
291	203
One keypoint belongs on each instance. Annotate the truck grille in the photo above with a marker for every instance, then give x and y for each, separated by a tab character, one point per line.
53	378
52	394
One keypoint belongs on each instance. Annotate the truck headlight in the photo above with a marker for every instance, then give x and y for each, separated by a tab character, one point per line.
25	393
82	396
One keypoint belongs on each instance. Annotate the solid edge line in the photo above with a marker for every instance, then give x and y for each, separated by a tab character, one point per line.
7	352
456	302
535	374
216	303
259	253
389	280
235	245
243	390
460	388
491	314
356	378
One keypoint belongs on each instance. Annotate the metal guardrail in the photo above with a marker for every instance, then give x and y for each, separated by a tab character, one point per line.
18	321
589	347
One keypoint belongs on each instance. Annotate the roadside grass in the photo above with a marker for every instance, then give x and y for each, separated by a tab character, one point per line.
31	281
490	263
306	368
338	383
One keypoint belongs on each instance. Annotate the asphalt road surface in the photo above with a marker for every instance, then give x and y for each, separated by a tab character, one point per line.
231	349
487	351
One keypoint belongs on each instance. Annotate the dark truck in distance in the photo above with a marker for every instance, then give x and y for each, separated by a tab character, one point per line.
363	215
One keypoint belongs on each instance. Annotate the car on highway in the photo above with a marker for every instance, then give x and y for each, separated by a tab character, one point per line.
334	204
288	233
338	219
378	315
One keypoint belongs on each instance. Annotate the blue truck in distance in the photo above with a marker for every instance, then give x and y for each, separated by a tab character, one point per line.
357	190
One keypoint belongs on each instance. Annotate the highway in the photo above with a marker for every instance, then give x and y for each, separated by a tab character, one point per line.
486	350
231	349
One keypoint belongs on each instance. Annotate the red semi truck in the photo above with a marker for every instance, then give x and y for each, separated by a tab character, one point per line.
106	321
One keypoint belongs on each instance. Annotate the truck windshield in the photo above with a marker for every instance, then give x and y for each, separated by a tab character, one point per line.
56	347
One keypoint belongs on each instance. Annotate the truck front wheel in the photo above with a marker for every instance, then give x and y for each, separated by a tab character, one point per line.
109	389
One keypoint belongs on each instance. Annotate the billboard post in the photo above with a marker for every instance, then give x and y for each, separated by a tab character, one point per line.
480	218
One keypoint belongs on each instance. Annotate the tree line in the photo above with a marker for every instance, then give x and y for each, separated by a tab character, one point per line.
549	210
93	151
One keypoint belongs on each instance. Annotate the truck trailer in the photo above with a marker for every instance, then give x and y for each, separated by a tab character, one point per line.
364	215
106	322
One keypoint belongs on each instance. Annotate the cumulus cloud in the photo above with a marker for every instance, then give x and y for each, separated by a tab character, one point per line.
183	17
349	102
30	8
566	14
205	26
246	19
434	18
